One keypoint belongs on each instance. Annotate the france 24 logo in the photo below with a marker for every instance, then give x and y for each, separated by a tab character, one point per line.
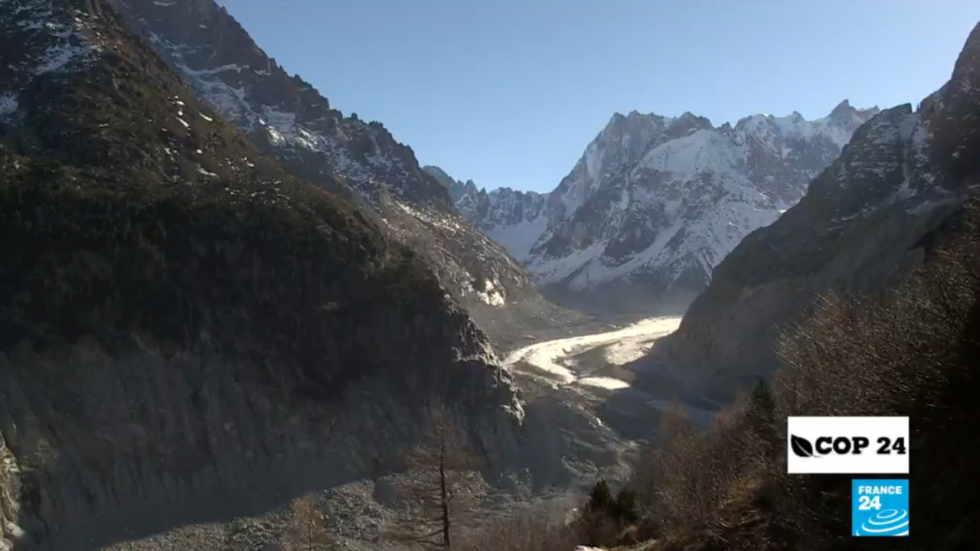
847	445
879	508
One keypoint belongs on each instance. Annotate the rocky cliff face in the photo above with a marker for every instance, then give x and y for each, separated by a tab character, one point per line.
655	203
874	213
286	117
510	217
187	331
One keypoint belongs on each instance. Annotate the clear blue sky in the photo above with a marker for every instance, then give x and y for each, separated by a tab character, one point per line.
509	92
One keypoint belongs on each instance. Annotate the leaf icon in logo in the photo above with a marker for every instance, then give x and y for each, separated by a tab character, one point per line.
801	446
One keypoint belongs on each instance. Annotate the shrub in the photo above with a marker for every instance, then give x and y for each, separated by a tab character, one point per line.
601	498
535	530
625	508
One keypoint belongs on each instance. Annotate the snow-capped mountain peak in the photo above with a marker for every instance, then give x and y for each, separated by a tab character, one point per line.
898	191
659	201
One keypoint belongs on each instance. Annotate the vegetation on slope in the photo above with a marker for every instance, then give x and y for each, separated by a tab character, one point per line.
126	207
909	351
136	224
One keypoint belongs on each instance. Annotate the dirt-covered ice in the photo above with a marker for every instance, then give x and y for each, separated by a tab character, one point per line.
592	360
595	376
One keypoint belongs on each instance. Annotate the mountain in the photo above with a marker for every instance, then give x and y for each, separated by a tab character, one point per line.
655	203
288	118
895	191
465	196
188	332
510	217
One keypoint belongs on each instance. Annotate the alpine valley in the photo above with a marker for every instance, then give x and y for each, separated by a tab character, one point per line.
225	306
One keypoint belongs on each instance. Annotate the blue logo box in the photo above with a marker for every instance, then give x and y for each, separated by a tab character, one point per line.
879	508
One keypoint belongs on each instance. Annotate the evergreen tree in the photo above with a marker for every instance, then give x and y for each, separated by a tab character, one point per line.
601	499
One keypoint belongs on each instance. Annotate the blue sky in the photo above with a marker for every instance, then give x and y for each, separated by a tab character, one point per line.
509	93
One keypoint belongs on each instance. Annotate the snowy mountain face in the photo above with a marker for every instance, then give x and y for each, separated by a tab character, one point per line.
876	212
660	201
655	203
514	219
289	119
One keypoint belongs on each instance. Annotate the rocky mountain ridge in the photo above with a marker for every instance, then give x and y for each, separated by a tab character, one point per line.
287	117
189	333
875	213
655	203
510	217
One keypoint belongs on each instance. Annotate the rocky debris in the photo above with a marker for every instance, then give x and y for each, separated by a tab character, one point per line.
203	537
352	512
356	517
875	213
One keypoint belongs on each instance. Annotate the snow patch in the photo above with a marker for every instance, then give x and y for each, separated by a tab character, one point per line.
593	164
8	104
518	239
607	383
431	218
59	57
210	72
70	46
597	272
553	270
68	42
492	293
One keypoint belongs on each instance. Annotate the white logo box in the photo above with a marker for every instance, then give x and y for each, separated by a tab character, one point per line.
809	451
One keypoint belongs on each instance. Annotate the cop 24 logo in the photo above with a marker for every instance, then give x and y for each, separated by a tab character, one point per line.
850	445
845	445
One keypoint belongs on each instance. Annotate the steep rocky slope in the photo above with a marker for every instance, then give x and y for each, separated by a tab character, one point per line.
876	211
655	203
285	116
188	332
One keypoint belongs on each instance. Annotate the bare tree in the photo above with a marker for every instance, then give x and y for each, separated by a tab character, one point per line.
307	532
438	465
535	528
